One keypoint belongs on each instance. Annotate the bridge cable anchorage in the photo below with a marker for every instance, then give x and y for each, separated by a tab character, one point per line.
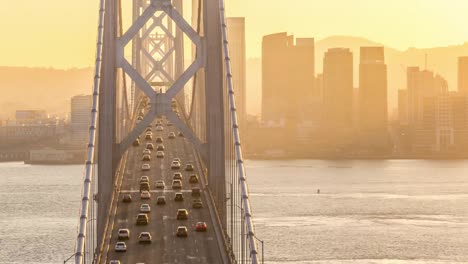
89	168
247	212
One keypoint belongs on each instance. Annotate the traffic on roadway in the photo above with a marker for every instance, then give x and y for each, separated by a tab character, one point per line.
162	214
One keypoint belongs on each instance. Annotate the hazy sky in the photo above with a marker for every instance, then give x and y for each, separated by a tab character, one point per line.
61	33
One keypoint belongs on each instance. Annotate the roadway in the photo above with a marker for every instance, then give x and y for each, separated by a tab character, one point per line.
198	247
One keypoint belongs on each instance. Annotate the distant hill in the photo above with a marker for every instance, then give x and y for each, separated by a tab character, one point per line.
41	88
442	60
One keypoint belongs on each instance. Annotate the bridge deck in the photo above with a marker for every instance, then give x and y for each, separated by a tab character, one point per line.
198	247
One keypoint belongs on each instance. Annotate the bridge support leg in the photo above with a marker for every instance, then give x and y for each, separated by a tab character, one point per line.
215	107
107	160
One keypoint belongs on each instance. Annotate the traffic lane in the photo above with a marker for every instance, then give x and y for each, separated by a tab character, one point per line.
175	250
209	245
127	212
199	247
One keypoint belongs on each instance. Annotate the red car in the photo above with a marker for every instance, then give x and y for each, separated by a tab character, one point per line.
200	227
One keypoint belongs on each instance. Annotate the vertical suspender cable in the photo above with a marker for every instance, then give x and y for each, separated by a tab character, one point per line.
240	162
85	200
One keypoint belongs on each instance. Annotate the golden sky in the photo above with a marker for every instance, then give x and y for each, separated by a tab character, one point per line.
61	33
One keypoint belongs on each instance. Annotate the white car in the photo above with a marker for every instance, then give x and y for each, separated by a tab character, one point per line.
145	237
145	208
147	151
172	135
159	128
120	247
175	165
124	233
176	159
114	262
145	167
160	184
160	154
145	195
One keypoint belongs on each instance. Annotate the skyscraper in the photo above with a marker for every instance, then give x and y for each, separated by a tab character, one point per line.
403	107
373	113
287	78
338	88
463	75
430	120
236	32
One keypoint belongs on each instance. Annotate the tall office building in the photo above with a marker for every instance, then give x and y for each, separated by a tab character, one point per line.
338	88
403	107
236	32
80	117
463	75
373	113
288	77
430	118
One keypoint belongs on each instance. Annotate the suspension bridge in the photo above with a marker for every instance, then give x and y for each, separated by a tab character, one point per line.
152	108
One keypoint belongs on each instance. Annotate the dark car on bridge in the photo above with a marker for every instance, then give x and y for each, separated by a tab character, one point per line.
127	198
182	214
144	186
160	147
176	184
189	167
182	231
146	157
150	146
161	200
142	219
177	176
179	197
197	203
193	179
144	237
196	192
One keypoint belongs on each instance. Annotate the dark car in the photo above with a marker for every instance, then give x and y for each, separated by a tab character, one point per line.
146	157
180	134
127	198
142	219
193	179
182	214
159	140
150	146
182	231
189	167
177	176
197	204
161	200
179	197
160	147
144	186
196	192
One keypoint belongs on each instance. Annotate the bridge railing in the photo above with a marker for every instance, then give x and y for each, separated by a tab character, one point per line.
246	210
